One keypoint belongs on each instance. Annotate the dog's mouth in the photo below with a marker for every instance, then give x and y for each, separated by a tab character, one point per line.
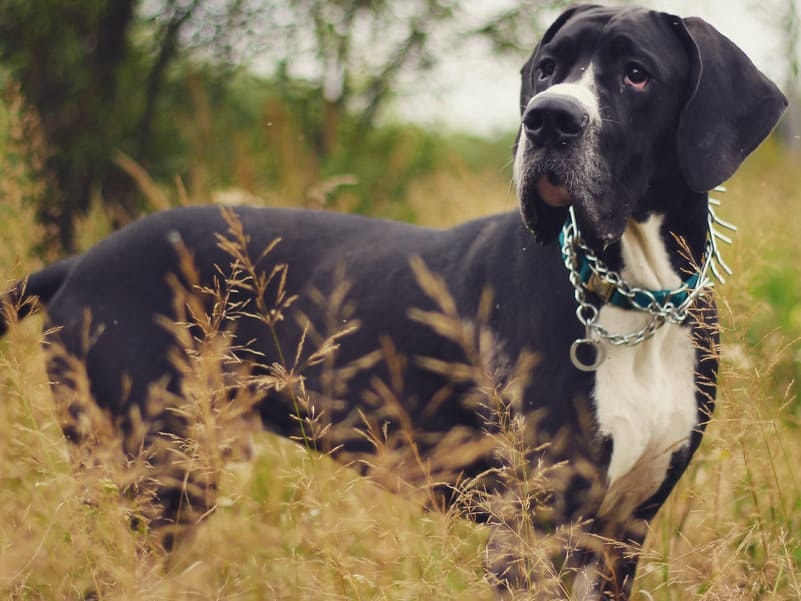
557	187
552	190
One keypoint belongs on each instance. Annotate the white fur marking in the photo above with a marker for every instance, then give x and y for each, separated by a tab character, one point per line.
645	394
584	92
518	168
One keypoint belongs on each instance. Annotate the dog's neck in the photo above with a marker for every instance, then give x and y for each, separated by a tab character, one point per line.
674	228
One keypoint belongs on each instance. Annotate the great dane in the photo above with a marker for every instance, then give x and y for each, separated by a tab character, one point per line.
629	118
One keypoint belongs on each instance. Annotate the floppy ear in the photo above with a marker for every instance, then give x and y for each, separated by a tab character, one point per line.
547	221
732	107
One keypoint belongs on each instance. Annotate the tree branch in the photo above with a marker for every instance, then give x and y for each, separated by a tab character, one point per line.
168	50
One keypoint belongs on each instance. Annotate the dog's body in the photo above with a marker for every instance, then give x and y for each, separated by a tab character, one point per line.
629	116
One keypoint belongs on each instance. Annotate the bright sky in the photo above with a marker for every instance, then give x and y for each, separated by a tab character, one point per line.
477	90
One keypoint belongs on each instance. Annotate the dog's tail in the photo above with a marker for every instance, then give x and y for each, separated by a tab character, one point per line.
37	288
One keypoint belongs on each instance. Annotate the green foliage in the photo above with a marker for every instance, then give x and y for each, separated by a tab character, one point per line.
71	61
779	285
766	195
161	83
263	137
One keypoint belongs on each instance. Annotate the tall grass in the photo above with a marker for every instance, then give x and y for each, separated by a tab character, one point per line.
293	524
732	530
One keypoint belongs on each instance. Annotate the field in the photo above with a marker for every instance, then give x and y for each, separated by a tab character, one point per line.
292	524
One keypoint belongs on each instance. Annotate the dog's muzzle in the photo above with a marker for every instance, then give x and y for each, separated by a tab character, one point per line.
553	124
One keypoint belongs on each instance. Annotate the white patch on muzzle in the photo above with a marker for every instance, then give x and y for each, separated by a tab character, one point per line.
582	91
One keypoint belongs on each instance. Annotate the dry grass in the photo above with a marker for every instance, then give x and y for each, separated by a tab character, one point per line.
293	524
732	530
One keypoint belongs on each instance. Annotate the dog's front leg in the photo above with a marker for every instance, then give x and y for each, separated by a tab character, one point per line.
543	528
613	551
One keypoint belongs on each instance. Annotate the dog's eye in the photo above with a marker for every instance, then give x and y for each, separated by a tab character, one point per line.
635	76
546	68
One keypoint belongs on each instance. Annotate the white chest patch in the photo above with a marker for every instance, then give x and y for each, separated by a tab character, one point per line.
644	394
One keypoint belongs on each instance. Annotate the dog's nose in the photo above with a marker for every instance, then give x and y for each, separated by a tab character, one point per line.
554	120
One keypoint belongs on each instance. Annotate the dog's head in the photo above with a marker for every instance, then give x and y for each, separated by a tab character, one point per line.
615	100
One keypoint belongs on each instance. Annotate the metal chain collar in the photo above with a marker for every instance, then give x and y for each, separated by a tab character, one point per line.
663	306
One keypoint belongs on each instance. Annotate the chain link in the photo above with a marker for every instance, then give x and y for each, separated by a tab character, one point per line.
659	312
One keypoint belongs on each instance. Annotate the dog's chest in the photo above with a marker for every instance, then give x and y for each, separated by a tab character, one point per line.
644	394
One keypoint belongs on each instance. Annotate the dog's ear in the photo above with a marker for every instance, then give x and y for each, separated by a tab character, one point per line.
731	108
548	220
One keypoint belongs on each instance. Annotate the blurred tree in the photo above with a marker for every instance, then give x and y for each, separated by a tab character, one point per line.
98	74
513	28
94	71
352	51
789	21
67	57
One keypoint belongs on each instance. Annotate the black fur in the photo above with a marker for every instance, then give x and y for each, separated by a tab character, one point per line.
659	150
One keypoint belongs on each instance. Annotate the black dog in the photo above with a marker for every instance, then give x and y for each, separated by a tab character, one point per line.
629	118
